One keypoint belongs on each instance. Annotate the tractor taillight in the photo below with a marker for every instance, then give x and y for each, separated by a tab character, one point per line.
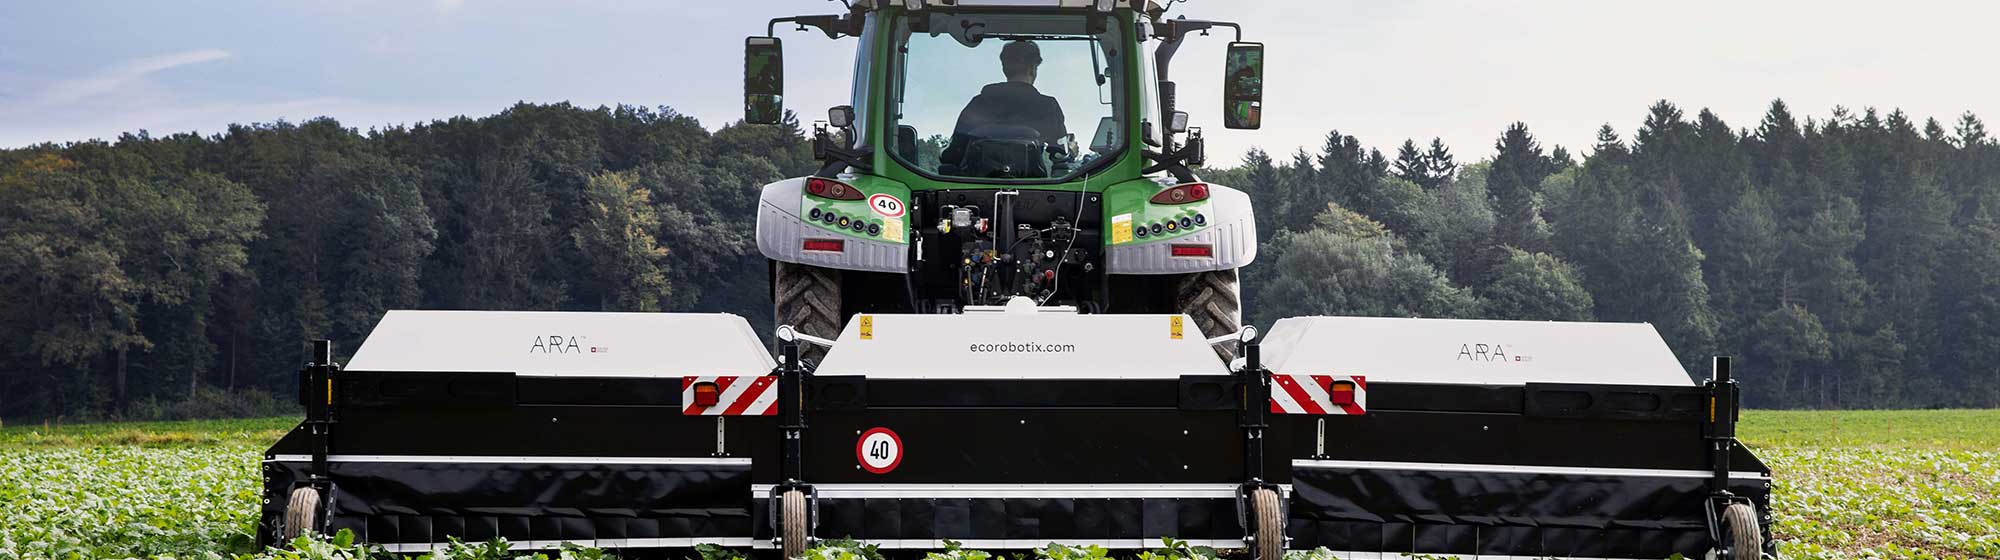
830	245
829	188
1342	393
1182	194
1193	251
706	394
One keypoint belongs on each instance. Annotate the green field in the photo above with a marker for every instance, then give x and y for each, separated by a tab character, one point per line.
1850	484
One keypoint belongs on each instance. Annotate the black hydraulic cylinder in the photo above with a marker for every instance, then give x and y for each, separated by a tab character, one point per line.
1256	405
792	412
1722	424
316	392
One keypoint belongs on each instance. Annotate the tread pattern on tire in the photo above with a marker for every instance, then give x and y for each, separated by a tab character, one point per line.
1269	523
301	512
794	520
807	298
1215	300
1746	540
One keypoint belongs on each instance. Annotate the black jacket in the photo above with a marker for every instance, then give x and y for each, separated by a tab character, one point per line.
1006	104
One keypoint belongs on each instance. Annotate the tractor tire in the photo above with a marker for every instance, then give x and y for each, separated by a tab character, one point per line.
807	298
1270	524
793	537
1215	300
1746	539
301	513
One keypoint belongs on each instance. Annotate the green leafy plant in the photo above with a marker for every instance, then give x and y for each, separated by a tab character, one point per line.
843	549
1056	551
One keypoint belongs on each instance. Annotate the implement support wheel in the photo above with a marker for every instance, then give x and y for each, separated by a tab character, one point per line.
1746	540
794	536
1270	526
301	512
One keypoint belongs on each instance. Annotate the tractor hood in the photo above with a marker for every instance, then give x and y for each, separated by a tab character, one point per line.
564	344
1473	351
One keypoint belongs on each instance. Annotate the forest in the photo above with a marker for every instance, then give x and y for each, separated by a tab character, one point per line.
1850	260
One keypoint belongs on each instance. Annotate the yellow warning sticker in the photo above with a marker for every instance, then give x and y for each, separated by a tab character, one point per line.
868	327
892	229
1121	229
1174	327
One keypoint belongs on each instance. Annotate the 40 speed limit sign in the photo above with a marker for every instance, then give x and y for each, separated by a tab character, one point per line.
879	450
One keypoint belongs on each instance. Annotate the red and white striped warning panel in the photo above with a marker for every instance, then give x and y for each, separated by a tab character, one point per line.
1319	394
729	395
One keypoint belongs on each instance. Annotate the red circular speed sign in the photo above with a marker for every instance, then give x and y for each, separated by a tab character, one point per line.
879	450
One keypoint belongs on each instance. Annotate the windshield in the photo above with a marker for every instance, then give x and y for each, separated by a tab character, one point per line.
1007	96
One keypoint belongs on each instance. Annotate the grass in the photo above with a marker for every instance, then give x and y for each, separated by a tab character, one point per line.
1963	430
195	433
1850	484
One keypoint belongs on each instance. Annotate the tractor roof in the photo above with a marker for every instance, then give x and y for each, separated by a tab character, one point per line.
1148	5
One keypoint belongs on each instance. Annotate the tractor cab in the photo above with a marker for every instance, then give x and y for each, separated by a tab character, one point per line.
994	149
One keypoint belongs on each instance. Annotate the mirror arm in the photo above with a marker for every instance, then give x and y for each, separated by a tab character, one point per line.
835	158
833	26
1174	163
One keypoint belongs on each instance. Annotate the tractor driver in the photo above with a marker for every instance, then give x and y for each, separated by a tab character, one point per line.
1014	102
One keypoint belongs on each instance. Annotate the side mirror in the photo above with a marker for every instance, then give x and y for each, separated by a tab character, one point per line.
763	80
1243	86
1177	122
840	117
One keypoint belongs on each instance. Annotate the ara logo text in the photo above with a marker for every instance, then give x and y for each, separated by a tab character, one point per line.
1484	353
555	344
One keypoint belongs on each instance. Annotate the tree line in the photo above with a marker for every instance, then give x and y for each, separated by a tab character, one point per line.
1845	261
152	275
1848	261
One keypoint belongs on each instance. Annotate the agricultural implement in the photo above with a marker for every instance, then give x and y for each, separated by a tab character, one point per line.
1017	426
996	333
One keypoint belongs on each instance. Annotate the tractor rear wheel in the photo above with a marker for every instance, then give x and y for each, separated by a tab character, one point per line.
1215	300
301	512
1746	540
807	298
1270	524
793	538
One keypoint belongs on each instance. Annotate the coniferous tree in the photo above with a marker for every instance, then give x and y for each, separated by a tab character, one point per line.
1443	167
1410	164
1514	183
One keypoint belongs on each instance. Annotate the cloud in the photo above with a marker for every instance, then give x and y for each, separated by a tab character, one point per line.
448	6
111	79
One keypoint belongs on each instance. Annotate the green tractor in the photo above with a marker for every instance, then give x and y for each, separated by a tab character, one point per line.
1000	149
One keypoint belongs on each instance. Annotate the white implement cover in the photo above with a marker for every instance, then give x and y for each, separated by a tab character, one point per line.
1021	344
1473	351
565	344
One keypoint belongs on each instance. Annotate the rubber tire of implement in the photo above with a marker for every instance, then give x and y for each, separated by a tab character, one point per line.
1215	300
794	536
1746	540
807	298
300	512
1270	524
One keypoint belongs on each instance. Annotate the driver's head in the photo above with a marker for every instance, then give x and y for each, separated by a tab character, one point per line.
1019	59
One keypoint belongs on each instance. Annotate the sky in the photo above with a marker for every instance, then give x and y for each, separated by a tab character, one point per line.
1380	71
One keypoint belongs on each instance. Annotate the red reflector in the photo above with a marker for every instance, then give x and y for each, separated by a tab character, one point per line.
1193	251
705	394
1342	394
833	245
